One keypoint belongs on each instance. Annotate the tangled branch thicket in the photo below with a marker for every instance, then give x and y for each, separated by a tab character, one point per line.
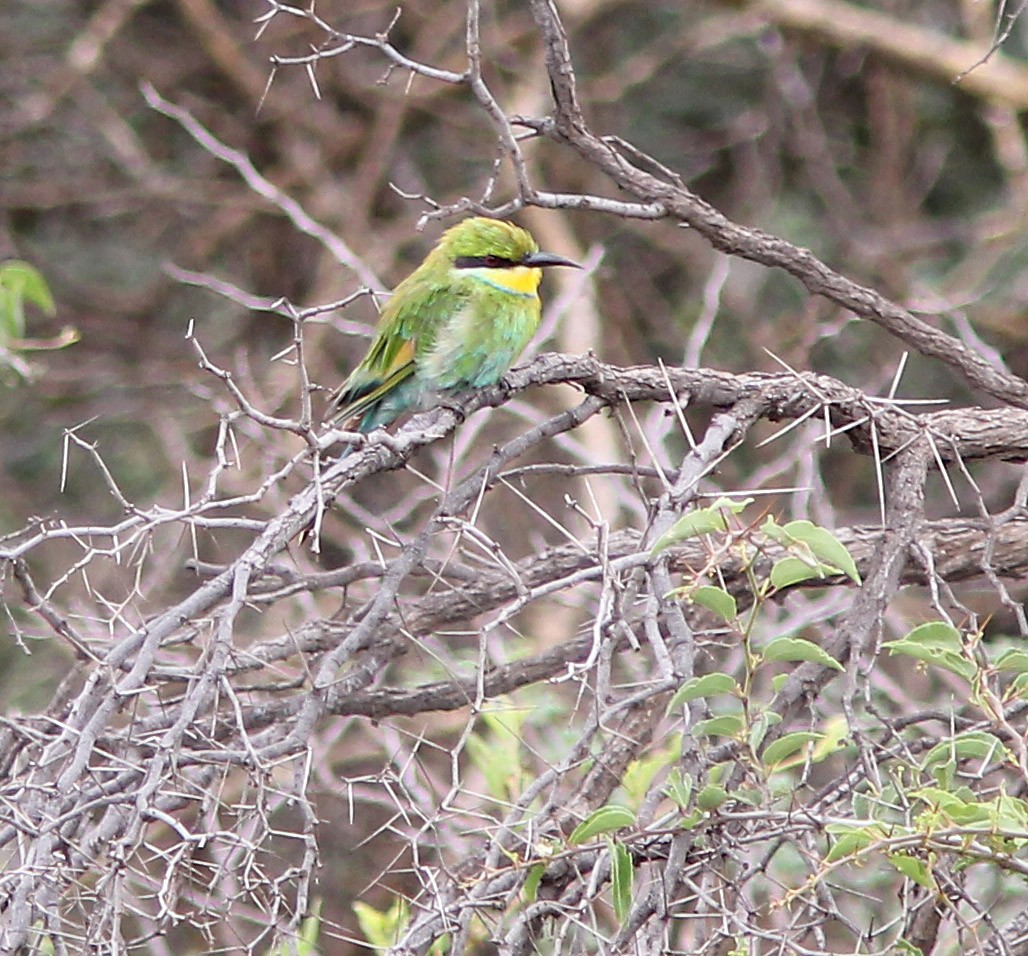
479	672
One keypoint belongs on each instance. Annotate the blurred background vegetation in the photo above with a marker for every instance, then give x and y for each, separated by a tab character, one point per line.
901	179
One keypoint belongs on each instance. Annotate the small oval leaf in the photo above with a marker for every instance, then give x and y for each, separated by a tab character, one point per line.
787	745
824	546
798	649
728	725
1013	660
933	635
600	821
914	869
717	600
938	643
700	521
1018	687
789	571
711	797
975	744
850	840
706	686
760	726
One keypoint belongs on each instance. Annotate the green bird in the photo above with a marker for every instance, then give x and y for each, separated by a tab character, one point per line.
456	322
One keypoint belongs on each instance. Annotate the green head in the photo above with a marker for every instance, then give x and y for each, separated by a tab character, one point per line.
499	253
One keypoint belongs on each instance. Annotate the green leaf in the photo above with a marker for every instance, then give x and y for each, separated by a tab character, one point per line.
936	635
310	930
42	945
914	869
706	686
850	840
758	730
786	572
679	787
945	773
953	663
798	649
943	808
861	804
787	745
28	282
496	752
1004	816
1011	812
530	888
824	546
639	774
20	283
382	928
975	744
1019	686
815	553
936	643
717	600
720	771
372	923
779	755
903	948
751	796
1013	660
440	946
604	820
700	521
727	725
711	797
691	819
622	875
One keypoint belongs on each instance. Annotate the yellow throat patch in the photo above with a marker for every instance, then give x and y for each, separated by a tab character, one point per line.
521	280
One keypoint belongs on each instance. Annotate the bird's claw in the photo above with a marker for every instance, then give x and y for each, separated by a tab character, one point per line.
454	405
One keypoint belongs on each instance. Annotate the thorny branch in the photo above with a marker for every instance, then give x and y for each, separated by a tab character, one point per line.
567	125
521	684
262	701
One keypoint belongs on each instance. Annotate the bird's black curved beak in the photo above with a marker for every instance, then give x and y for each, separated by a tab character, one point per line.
540	260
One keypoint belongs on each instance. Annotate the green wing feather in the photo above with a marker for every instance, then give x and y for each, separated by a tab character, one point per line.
360	393
407	328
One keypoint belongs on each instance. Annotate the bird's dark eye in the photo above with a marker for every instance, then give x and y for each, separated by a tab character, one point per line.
491	261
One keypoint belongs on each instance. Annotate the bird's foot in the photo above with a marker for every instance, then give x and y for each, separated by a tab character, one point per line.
452	403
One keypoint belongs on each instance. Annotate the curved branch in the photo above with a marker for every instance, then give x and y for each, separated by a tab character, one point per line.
568	126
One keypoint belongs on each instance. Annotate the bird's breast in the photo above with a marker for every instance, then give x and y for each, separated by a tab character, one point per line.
481	341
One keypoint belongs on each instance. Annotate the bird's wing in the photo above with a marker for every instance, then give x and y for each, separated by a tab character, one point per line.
408	328
387	364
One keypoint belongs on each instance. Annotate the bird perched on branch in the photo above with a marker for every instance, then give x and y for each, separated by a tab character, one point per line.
456	322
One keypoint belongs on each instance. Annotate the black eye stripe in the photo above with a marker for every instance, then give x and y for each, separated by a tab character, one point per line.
486	262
